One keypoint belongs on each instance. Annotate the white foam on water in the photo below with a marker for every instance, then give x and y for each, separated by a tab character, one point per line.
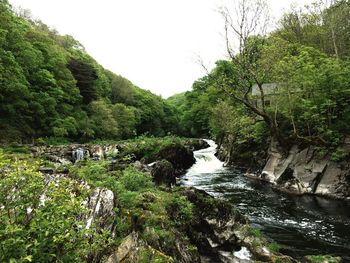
205	167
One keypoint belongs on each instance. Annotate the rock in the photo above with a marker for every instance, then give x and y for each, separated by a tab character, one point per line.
306	172
250	155
101	204
322	259
218	230
127	251
179	156
163	173
197	144
46	170
213	226
58	160
96	152
68	154
79	154
111	150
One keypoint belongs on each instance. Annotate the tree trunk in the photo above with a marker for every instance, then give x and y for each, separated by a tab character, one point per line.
334	43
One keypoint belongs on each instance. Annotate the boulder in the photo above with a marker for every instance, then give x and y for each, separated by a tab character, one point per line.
213	226
100	204
305	171
163	172
127	251
179	156
197	144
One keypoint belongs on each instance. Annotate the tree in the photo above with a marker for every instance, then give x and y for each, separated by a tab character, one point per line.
126	119
85	75
105	126
248	31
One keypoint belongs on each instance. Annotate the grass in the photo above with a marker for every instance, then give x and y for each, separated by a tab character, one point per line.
256	232
274	247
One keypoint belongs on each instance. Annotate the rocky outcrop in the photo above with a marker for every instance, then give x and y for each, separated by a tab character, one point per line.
179	156
100	205
127	251
163	172
305	171
197	144
213	225
68	154
249	155
222	234
321	259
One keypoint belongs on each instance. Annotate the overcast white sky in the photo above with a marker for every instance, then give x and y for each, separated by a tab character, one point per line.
153	43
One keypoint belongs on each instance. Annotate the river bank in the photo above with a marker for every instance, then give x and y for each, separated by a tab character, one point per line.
302	225
117	203
301	170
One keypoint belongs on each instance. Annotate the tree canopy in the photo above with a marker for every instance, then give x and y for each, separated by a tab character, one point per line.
307	57
50	86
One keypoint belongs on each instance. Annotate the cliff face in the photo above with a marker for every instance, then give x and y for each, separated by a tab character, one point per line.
250	155
305	171
300	171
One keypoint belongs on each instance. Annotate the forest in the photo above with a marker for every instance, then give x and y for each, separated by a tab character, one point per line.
50	87
306	57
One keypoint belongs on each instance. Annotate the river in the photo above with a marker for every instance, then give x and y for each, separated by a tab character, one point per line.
301	225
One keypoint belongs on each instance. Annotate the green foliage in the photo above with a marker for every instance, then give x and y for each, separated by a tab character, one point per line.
134	180
307	58
147	148
40	219
274	247
14	148
150	255
179	208
52	141
85	75
339	155
320	26
256	242
50	87
256	232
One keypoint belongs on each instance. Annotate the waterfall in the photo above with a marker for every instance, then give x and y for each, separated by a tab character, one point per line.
206	166
78	154
206	161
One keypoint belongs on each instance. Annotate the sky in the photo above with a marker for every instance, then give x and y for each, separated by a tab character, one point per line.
156	44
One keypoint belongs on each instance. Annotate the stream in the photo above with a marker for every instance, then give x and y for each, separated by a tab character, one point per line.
301	225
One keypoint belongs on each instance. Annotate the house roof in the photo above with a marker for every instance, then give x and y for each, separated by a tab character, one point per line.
268	88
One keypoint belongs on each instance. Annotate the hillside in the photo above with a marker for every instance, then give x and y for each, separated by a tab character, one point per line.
51	87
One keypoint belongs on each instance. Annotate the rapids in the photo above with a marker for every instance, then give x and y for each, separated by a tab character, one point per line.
301	225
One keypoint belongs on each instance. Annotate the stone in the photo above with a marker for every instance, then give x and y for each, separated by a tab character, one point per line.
101	204
163	172
179	156
127	250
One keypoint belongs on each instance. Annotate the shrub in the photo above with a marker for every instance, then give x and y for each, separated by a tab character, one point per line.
134	180
255	232
40	219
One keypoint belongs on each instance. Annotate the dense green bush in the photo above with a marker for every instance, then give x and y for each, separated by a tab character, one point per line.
40	217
